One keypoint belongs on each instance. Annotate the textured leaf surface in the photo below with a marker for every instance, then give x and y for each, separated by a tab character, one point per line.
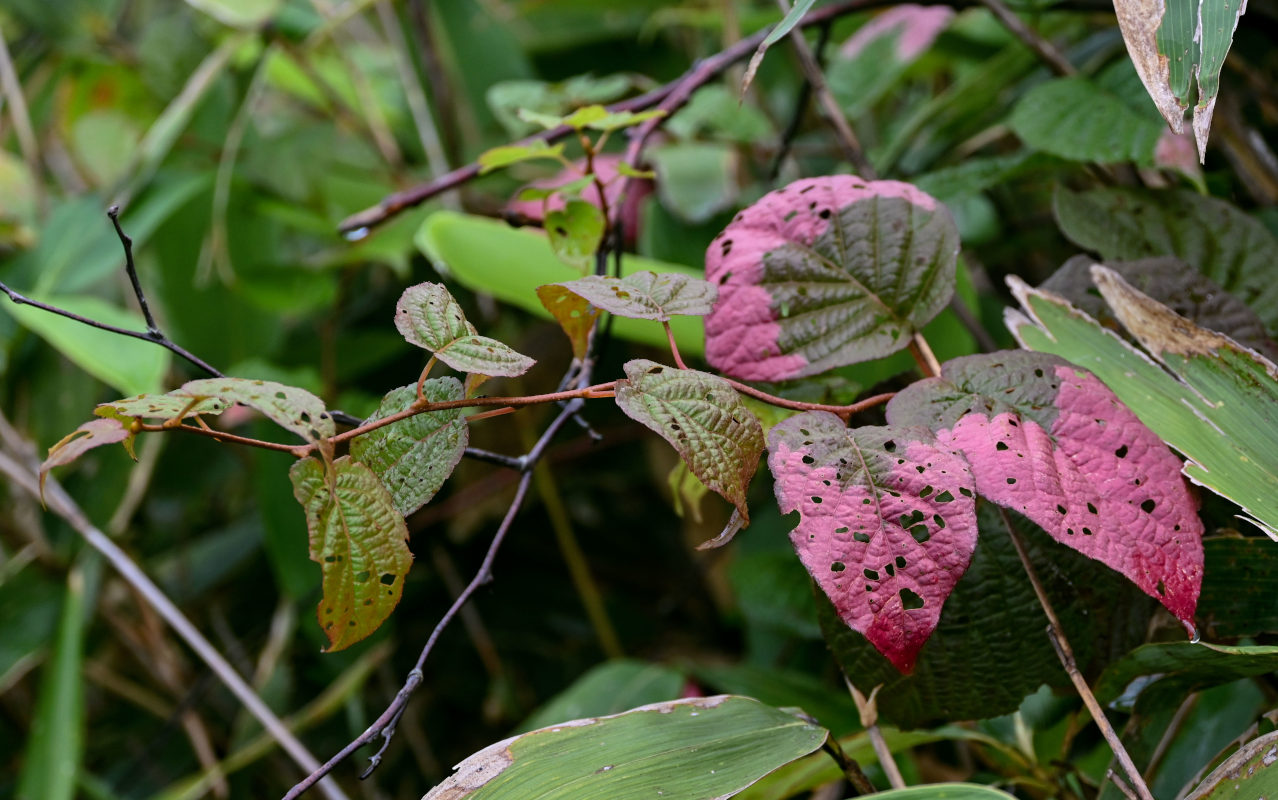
993	626
94	433
1076	119
429	317
1174	670
575	232
289	407
1249	774
887	523
1233	249
1223	422
573	313
1171	282
647	295
827	272
703	418
359	541
698	749
413	457
1052	442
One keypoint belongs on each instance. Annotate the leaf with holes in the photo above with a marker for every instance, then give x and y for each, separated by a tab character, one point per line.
359	541
162	406
573	313
1050	441
413	457
429	317
703	418
94	433
289	407
887	523
647	295
575	232
827	272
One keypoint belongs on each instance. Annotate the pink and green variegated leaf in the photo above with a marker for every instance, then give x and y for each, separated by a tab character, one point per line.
1049	440
827	272
887	523
94	433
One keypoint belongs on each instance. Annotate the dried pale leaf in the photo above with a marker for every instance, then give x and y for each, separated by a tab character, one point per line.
291	408
94	433
163	406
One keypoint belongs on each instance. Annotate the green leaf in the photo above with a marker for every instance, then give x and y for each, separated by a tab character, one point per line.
1076	119
56	742
696	180
573	313
413	457
1248	774
647	295
1216	409
162	406
944	791
489	256
130	366
1175	44
1240	581
428	316
291	408
703	418
359	541
786	25
1173	670
504	156
697	749
1233	249
575	232
238	13
609	688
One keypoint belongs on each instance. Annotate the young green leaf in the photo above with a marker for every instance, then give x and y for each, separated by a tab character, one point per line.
1050	441
646	295
787	23
360	543
429	317
575	232
413	457
702	748
291	408
827	272
504	156
703	418
573	313
887	523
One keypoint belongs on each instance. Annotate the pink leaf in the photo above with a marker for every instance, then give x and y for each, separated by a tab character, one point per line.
826	272
916	27
606	168
887	523
1050	441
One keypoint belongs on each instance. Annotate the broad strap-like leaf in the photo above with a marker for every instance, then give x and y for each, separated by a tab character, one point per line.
573	312
289	407
887	523
702	748
428	316
413	457
827	272
94	433
646	295
1178	48
1228	246
1052	442
1219	419
1251	773
703	418
359	541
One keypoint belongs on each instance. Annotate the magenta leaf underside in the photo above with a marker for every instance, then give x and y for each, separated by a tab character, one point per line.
887	523
827	272
1050	441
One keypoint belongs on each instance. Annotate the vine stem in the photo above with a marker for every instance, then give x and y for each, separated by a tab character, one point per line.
923	355
62	504
674	347
1056	634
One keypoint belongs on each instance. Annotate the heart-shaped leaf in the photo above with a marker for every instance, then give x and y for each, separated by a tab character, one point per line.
289	407
359	541
646	295
413	457
1050	441
827	272
703	418
887	523
428	316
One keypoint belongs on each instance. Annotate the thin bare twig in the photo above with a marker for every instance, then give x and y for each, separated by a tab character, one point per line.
16	464
1044	49
868	709
1056	633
